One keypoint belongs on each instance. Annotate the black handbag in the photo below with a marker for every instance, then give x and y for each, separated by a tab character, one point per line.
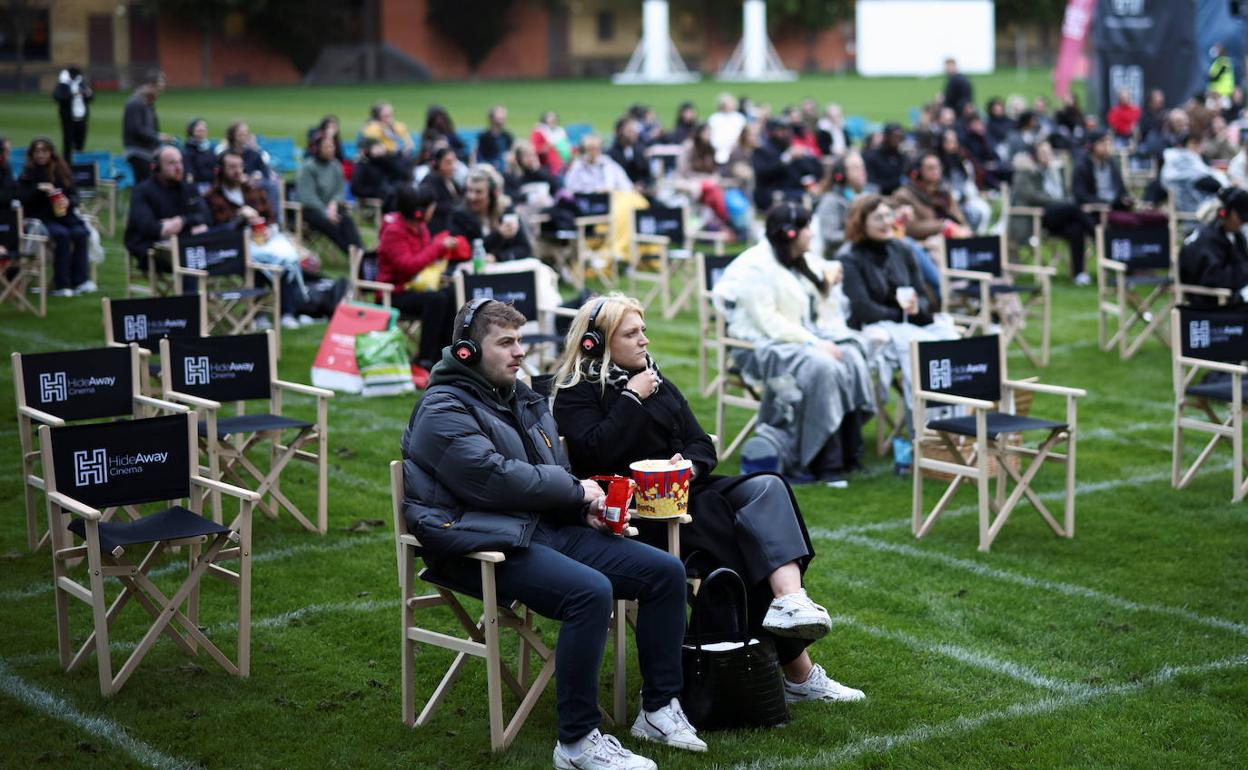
731	680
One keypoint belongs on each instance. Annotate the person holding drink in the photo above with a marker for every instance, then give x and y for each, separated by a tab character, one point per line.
614	408
46	189
483	470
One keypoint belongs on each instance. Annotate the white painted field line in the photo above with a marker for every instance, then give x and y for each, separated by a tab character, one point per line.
261	557
967	656
1054	586
880	744
57	707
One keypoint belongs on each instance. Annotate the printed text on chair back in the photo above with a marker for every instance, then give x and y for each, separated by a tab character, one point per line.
661	220
715	267
592	204
520	289
123	463
1214	333
8	229
969	367
79	384
219	252
140	320
1139	248
982	254
85	175
234	368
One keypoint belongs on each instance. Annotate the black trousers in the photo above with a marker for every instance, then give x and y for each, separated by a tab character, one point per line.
1073	225
343	233
73	137
436	311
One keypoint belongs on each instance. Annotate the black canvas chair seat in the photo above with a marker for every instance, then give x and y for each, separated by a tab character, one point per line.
241	293
170	524
972	290
998	423
1218	391
1149	280
154	369
252	423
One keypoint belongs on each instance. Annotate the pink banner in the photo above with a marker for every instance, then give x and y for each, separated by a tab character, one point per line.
1070	58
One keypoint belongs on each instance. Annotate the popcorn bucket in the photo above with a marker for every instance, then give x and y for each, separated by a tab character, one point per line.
619	495
662	488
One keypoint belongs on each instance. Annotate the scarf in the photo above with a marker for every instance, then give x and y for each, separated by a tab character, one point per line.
617	376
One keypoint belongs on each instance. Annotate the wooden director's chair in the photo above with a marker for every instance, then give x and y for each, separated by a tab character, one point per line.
220	263
1135	277
975	277
542	345
23	264
204	373
595	239
92	469
484	635
1209	340
144	320
99	196
971	373
666	234
58	388
363	286
707	271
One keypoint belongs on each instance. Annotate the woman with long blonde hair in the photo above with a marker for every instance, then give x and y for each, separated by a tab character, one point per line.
614	407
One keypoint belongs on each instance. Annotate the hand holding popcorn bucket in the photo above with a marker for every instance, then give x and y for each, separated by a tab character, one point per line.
662	488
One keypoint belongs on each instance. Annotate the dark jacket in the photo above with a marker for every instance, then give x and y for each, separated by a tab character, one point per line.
372	180
1083	182
8	187
873	272
885	168
772	174
1214	258
140	128
199	163
958	91
64	98
153	201
35	202
633	161
481	467
468	225
493	147
447	195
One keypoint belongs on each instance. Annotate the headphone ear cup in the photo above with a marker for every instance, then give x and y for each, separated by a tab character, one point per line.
592	344
466	352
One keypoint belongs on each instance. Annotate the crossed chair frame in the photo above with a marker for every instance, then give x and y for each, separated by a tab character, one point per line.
30	269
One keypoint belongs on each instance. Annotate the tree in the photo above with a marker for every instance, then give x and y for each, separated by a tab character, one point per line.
476	27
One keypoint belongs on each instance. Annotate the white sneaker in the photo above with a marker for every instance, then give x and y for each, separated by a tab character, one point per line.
669	726
796	616
306	320
1083	279
263	322
820	686
602	752
290	322
62	293
86	287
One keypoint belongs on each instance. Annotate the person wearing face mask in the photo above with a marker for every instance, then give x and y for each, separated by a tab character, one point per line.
614	407
788	303
484	470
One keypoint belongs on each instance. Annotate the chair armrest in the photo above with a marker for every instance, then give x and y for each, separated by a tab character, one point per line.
1038	387
72	505
229	489
658	240
266	267
1031	269
494	557
1112	264
594	220
43	417
307	390
1095	208
292	206
381	286
157	403
566	312
187	398
1029	211
1214	366
949	398
730	342
1206	291
198	273
710	236
971	275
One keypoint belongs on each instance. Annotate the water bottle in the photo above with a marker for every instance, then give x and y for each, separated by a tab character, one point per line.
478	256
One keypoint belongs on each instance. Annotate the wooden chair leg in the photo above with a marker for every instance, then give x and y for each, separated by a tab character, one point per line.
493	661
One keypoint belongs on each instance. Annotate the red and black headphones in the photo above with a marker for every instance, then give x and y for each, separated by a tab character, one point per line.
465	349
788	228
593	342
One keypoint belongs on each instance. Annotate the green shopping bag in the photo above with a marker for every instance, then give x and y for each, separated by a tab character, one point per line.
383	361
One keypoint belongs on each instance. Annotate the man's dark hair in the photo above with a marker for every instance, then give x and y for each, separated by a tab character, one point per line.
494	313
153	76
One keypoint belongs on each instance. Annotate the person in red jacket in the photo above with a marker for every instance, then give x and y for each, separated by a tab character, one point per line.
1123	116
405	249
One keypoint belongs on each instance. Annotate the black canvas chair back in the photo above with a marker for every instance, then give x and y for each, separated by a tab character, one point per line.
1140	248
10	229
661	220
80	384
123	463
1214	333
520	289
85	175
982	254
715	267
219	252
141	320
221	368
592	204
368	269
969	367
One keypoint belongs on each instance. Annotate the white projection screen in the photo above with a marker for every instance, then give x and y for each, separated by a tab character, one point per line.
913	37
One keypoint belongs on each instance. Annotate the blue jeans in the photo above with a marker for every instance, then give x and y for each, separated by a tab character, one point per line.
926	265
573	574
69	257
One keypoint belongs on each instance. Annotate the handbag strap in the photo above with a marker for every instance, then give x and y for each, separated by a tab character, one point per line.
720	575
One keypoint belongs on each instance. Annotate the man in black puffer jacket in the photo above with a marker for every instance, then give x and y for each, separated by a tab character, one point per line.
483	471
1215	254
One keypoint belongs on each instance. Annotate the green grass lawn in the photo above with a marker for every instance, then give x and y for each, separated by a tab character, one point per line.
1124	647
